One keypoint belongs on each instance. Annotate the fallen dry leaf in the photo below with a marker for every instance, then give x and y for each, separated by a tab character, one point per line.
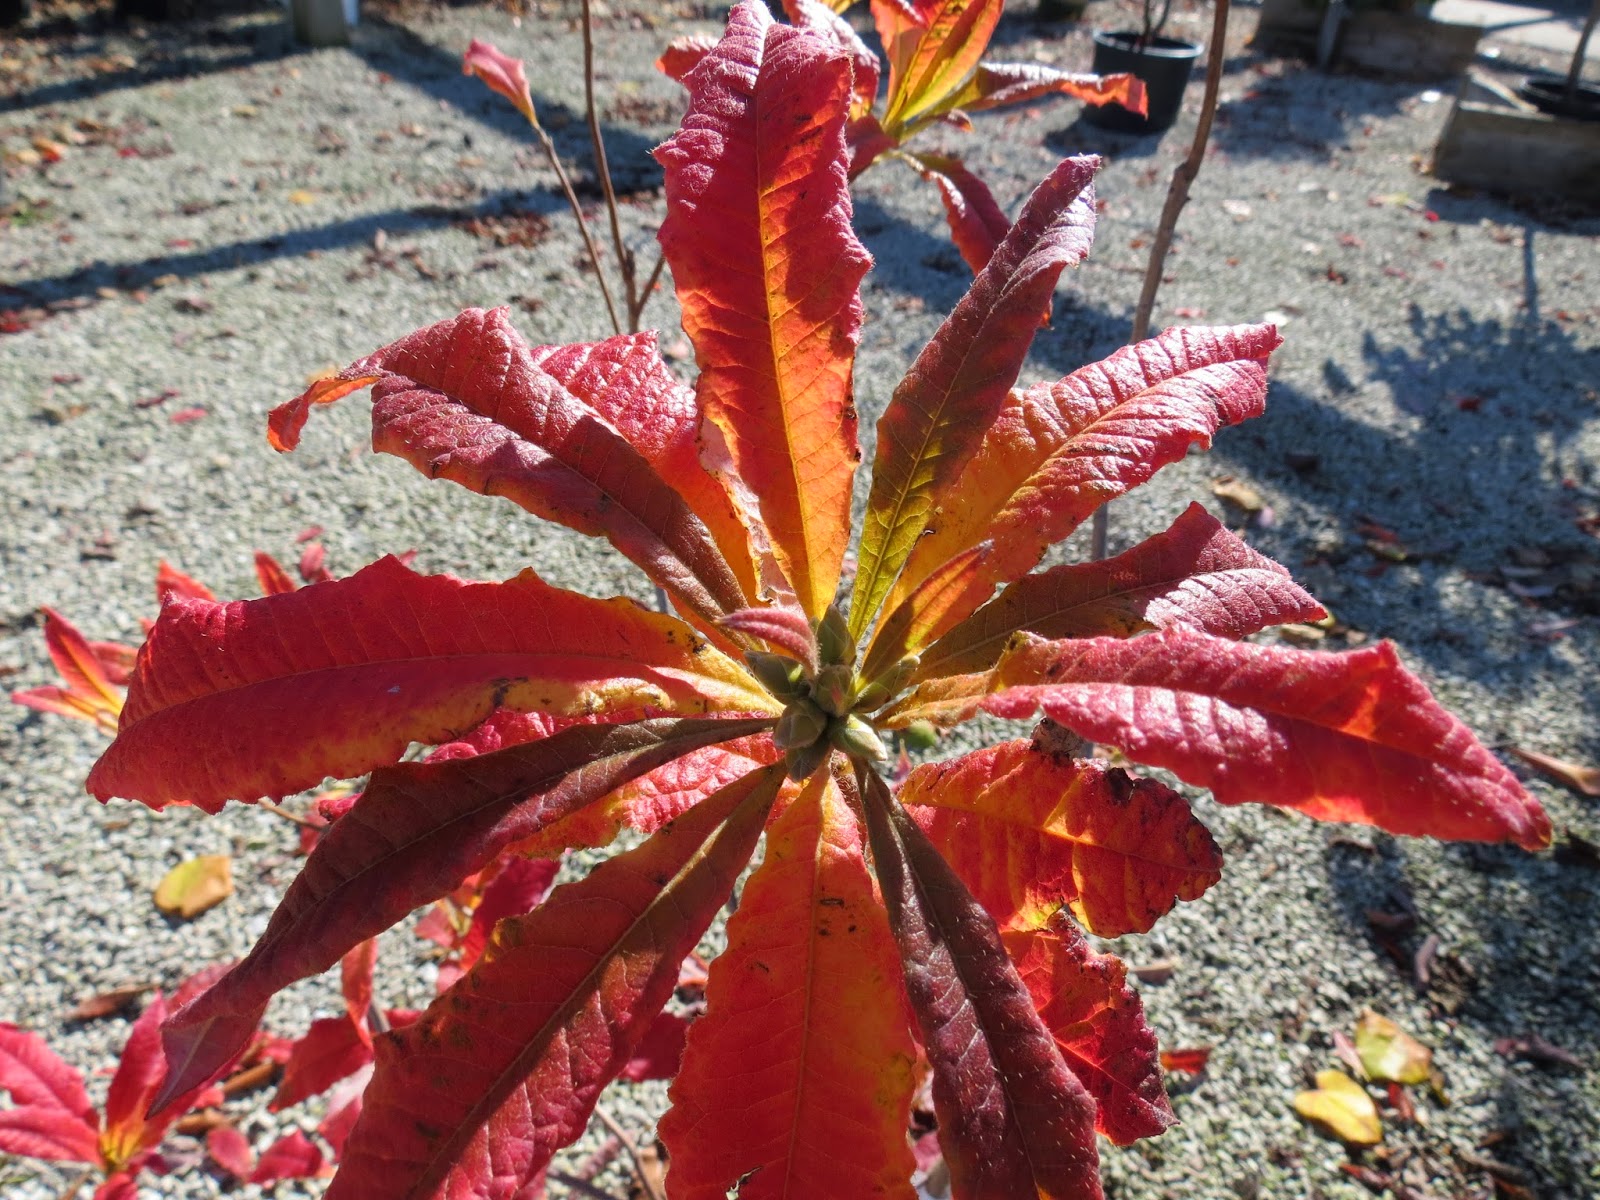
192	887
1191	1059
1159	971
108	1003
1341	1106
1574	775
1235	491
302	196
1388	1053
1537	1049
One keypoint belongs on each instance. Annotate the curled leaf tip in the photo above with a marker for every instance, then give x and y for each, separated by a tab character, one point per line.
502	73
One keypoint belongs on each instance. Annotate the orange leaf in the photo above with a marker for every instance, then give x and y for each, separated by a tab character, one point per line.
1098	1022
931	57
549	1015
1057	451
807	1002
762	147
270	696
1195	575
683	54
937	416
192	887
1028	831
996	85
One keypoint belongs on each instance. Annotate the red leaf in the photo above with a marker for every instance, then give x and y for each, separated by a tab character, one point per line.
1057	451
502	73
550	1015
468	400
312	563
762	147
683	54
1013	1120
48	1134
129	1127
519	887
355	982
659	1052
804	1047
416	832
1028	831
997	85
172	583
939	411
275	581
817	17
271	696
293	1156
231	1151
1196	575
977	223
332	1049
80	667
1098	1023
785	629
1191	1060
1341	737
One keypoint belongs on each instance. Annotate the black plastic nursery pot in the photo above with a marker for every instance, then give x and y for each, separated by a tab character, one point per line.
1163	64
1549	95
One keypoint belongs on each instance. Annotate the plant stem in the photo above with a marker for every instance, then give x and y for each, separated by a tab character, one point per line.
1574	71
602	168
76	1185
646	1184
554	160
1177	197
646	291
278	810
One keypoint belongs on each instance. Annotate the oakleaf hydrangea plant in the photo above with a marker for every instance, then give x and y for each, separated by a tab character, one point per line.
888	936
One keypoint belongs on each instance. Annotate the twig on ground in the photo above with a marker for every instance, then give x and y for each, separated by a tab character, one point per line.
1177	196
635	1160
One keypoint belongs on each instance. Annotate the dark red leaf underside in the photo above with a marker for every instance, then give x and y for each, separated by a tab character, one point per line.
417	831
1196	575
1098	1022
977	222
1014	1122
510	1061
466	399
270	696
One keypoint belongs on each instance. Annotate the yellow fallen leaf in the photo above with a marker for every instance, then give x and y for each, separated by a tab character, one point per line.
302	196
1343	1108
1237	491
191	887
1389	1054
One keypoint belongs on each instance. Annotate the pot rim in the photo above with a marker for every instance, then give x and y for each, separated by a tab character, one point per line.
1164	47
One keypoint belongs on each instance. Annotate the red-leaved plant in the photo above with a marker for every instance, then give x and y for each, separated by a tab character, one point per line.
883	935
936	77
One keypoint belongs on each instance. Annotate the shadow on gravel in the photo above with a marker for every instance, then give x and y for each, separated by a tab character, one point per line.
336	235
410	59
1304	113
1528	969
176	51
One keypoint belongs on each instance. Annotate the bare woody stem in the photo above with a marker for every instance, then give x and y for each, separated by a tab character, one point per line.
636	1160
1177	196
602	168
554	160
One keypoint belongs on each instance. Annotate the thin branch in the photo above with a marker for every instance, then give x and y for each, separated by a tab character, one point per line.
602	168
647	290
1177	197
579	1185
554	160
646	1184
76	1185
278	810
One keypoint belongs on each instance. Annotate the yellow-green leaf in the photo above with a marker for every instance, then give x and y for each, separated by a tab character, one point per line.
191	887
1342	1107
1389	1054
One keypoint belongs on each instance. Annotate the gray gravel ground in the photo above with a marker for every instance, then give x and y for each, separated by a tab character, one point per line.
282	211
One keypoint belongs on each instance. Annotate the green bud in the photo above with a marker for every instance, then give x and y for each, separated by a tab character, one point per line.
919	735
858	739
779	674
804	760
801	724
832	688
886	686
834	644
